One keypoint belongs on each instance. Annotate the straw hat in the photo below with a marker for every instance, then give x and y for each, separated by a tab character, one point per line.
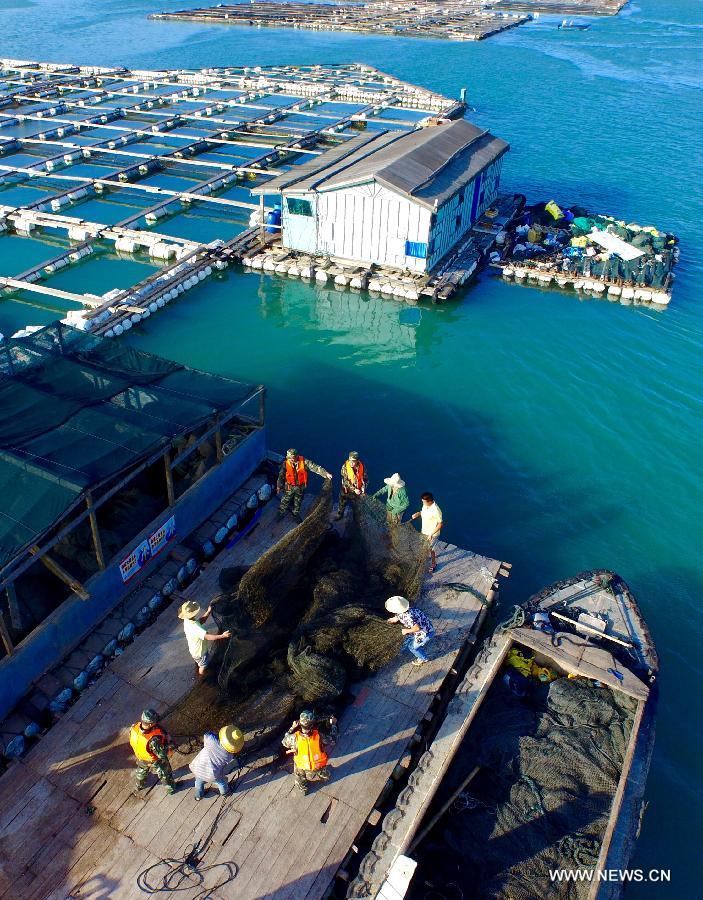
189	610
231	738
397	605
394	481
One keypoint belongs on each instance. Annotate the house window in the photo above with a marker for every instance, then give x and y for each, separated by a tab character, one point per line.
416	249
298	207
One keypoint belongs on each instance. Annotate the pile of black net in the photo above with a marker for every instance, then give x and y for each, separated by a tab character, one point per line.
548	768
307	619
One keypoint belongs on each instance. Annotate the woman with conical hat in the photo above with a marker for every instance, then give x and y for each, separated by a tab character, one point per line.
396	498
216	760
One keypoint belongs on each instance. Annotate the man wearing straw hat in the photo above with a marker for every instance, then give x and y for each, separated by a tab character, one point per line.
396	498
216	760
415	625
197	635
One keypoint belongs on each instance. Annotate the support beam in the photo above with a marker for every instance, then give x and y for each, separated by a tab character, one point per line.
97	543
218	441
58	570
262	406
5	636
14	607
169	479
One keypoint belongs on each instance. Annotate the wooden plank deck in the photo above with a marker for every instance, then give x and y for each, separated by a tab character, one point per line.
71	824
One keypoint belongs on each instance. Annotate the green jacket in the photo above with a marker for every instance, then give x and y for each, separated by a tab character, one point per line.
396	501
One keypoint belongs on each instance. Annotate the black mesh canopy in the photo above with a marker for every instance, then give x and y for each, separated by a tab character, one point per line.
77	410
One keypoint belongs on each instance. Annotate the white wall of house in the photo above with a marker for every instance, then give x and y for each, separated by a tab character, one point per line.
372	224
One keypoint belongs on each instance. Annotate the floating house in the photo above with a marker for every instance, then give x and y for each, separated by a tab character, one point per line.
399	200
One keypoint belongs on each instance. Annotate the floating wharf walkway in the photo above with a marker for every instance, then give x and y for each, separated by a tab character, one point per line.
177	152
72	825
459	20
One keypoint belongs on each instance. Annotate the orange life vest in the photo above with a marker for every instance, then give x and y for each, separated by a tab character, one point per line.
309	754
139	739
355	475
296	473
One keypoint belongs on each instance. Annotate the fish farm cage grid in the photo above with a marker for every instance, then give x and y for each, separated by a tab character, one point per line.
156	166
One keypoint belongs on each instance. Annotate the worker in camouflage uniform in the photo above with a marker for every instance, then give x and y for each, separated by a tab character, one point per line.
151	745
309	748
293	480
354	481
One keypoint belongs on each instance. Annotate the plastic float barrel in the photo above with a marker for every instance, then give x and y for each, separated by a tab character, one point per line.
355	282
661	298
386	288
627	293
253	501
614	291
127	324
374	286
168	588
135	318
321	276
208	549
118	329
202	275
232	522
411	294
508	272
264	493
282	268
341	280
220	535
269	265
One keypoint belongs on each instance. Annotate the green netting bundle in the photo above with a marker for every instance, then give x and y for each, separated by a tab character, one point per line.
312	675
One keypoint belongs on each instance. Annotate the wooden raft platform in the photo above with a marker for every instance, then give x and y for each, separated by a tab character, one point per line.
71	824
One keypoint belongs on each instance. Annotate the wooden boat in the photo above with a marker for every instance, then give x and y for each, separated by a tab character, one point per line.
585	639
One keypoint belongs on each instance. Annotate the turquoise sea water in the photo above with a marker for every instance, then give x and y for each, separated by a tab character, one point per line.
557	434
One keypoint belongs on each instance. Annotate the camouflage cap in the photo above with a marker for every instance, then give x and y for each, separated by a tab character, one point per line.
307	717
292	453
150	717
353	454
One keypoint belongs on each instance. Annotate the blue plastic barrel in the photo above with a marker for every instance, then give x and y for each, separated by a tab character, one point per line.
273	220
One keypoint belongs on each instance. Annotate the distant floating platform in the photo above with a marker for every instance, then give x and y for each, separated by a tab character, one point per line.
459	20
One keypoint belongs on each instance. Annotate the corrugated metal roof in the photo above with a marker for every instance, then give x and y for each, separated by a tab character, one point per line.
427	165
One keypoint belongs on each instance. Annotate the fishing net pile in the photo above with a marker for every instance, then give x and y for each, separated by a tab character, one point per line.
307	619
549	766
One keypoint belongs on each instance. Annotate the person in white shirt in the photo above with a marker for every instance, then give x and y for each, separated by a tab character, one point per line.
431	516
197	635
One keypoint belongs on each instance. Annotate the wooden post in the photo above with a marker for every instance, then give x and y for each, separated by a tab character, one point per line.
14	606
169	479
262	233
262	406
218	442
60	572
97	543
5	635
